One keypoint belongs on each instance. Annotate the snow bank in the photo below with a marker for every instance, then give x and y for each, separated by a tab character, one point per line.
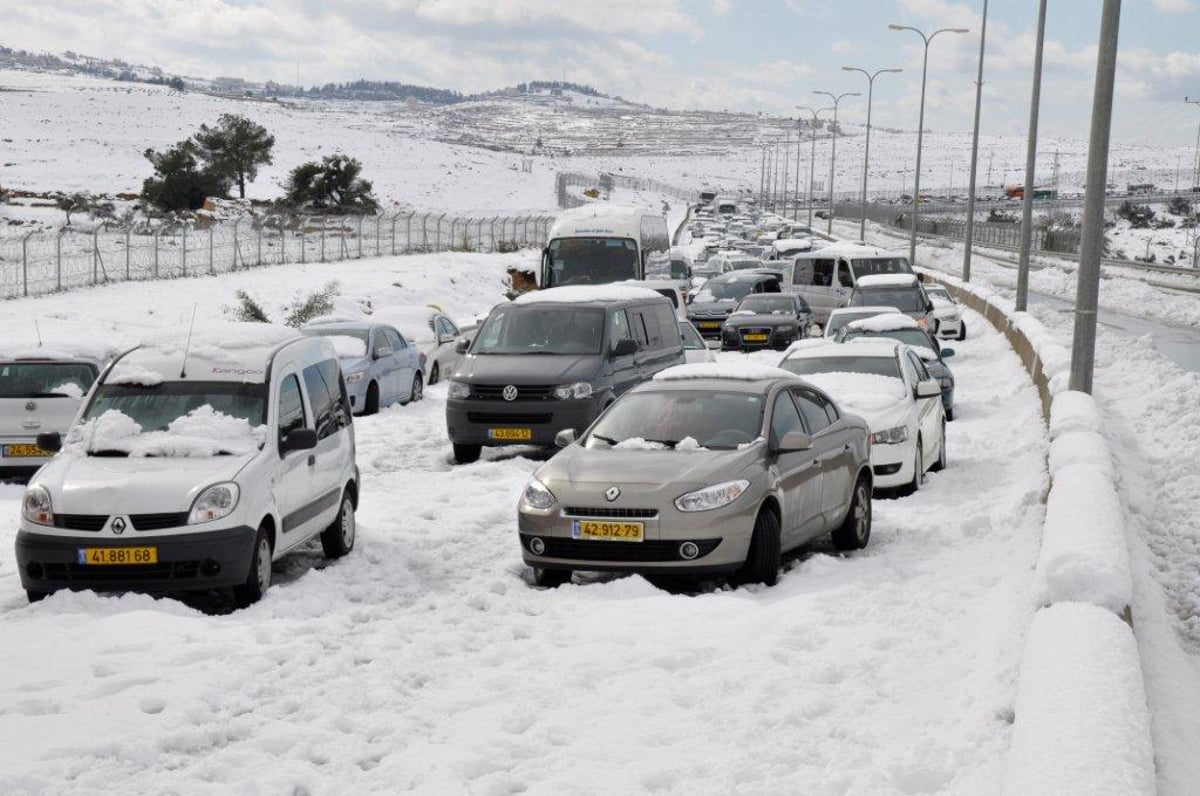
576	293
1082	725
1073	411
738	371
1080	447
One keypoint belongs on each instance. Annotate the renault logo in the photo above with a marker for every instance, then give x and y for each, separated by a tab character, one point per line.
31	406
118	526
510	393
612	493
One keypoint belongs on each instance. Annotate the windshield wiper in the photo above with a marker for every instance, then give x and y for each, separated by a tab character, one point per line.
670	443
603	438
109	453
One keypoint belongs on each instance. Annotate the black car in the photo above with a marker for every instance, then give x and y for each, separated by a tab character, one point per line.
719	295
766	321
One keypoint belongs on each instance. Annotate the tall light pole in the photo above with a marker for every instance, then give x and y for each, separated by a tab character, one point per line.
912	243
796	192
833	148
812	155
1022	297
969	232
862	224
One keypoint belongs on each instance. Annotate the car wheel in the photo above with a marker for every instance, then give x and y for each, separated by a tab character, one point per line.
371	405
962	331
940	464
950	414
36	596
465	454
434	373
765	554
418	389
855	530
551	578
914	486
258	579
338	538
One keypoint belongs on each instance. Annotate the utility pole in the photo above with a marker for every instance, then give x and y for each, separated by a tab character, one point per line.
1083	350
762	178
833	149
969	231
796	192
812	157
787	148
1030	166
862	224
1196	170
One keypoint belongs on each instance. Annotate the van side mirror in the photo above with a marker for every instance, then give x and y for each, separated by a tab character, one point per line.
921	278
564	438
461	345
300	439
50	441
624	347
794	441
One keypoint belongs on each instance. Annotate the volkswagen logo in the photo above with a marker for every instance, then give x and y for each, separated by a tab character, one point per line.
30	406
612	493
510	393
118	526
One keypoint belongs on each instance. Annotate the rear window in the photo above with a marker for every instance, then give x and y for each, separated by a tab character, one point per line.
903	299
875	366
45	379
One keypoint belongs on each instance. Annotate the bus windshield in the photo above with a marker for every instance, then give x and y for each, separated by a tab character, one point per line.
592	261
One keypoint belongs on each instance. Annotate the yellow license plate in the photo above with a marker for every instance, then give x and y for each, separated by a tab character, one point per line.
23	451
710	324
609	531
519	434
756	338
117	556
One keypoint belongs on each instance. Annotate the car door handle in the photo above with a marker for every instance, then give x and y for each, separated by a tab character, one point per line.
312	460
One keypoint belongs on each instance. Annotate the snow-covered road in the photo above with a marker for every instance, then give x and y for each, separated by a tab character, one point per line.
426	662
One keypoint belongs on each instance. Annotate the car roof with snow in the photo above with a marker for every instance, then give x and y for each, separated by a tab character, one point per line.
887	280
863	346
885	322
60	350
235	354
589	294
739	376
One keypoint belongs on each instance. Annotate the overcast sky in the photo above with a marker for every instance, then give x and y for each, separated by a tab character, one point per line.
750	55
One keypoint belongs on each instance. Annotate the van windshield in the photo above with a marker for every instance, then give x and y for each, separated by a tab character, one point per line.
45	379
880	265
541	329
154	407
591	261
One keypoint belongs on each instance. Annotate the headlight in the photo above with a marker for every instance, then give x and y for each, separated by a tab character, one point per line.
36	506
459	389
218	501
580	389
712	497
890	436
537	495
351	378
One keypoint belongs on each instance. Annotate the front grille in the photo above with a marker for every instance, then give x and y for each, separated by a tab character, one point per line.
610	513
156	522
525	392
169	570
81	522
529	419
622	552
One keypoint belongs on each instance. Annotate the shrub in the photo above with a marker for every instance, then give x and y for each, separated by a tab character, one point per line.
179	182
997	216
1138	216
333	184
234	149
248	309
1179	206
315	305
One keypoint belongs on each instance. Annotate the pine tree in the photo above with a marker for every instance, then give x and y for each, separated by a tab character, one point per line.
234	149
332	184
179	182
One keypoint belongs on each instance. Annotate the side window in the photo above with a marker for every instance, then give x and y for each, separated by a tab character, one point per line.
291	407
620	326
812	407
322	402
845	279
447	329
802	305
910	373
647	334
802	272
394	340
668	327
822	273
918	366
784	417
332	376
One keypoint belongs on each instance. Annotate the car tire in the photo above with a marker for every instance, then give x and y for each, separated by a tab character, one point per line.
962	330
765	555
338	539
940	464
855	530
950	414
258	579
551	578
466	454
35	596
914	486
434	373
371	405
418	389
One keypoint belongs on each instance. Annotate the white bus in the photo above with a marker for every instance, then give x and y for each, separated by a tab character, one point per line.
602	243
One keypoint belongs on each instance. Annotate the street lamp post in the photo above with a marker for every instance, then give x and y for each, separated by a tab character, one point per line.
862	224
969	232
833	148
912	243
812	156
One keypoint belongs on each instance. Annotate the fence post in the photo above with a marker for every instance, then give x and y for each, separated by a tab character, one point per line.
408	232
493	226
236	223
25	263
424	232
378	232
360	226
394	232
58	260
211	270
128	233
438	245
185	248
157	232
302	243
258	235
96	255
322	238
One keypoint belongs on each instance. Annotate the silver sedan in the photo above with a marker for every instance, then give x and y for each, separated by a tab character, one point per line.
710	468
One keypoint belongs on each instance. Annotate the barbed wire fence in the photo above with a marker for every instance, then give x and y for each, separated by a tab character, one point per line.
605	182
48	261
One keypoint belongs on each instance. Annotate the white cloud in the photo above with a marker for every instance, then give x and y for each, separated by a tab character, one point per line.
846	47
1175	6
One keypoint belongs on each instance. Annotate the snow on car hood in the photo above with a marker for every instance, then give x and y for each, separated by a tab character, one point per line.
638	465
880	400
203	432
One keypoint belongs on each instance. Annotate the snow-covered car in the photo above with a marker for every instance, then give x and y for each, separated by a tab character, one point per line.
707	468
766	321
843	315
947	313
378	364
713	303
694	348
41	390
193	467
432	331
889	385
902	291
897	326
786	248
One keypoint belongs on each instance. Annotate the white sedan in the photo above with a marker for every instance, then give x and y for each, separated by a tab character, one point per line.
947	313
886	383
431	330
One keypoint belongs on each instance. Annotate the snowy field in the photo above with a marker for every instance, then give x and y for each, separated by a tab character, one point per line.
426	662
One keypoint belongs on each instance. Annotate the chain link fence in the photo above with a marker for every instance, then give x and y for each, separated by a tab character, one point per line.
48	261
1059	241
604	183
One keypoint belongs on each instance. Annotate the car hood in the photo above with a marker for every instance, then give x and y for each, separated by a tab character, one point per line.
762	319
142	485
521	369
711	307
579	465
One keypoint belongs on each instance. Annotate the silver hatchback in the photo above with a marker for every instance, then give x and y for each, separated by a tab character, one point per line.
709	468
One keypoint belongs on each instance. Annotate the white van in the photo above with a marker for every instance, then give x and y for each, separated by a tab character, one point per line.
603	243
826	276
193	467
